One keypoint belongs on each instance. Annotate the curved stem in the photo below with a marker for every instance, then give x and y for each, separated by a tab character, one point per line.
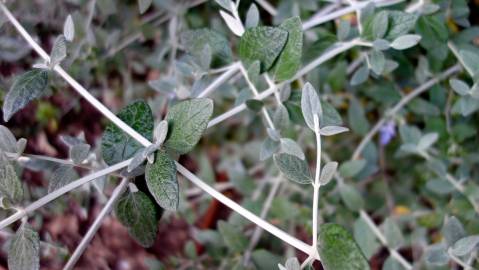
383	240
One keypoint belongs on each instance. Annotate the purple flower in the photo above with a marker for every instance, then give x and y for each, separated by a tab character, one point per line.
387	132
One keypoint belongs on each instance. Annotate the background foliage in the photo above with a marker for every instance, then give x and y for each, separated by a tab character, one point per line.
402	81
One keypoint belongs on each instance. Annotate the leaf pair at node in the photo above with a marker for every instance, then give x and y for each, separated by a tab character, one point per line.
177	134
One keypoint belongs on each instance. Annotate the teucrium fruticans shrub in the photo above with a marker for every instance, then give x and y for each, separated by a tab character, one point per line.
411	79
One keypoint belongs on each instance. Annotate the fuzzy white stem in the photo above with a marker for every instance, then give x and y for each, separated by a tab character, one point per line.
405	100
315	21
96	225
300	245
59	192
220	80
267	6
258	231
335	50
253	89
316	184
383	240
80	89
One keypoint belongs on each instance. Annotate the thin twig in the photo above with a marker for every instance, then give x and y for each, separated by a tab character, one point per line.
264	212
268	7
96	225
61	191
316	184
398	257
317	20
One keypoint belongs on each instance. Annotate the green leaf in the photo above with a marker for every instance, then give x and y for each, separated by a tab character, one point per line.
393	233
10	186
268	148
453	230
330	116
293	168
281	117
262	43
351	197
27	87
405	42
69	29
360	75
187	121
116	145
62	176
265	260
138	213
59	51
471	60
161	181
289	146
344	29
8	143
465	245
432	31
356	117
338	250
328	172
377	60
460	87
392	264
254	104
365	238
24	251
234	239
380	24
400	23
291	264
252	16
195	41
436	255
310	105
78	148
352	167
290	58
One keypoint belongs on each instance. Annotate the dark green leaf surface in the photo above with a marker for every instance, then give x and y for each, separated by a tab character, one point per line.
27	87
262	43
338	250
137	212
116	145
187	121
290	58
161	181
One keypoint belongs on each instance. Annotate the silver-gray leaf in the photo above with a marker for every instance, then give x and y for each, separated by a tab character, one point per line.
310	105
24	251
62	176
27	87
10	186
293	168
